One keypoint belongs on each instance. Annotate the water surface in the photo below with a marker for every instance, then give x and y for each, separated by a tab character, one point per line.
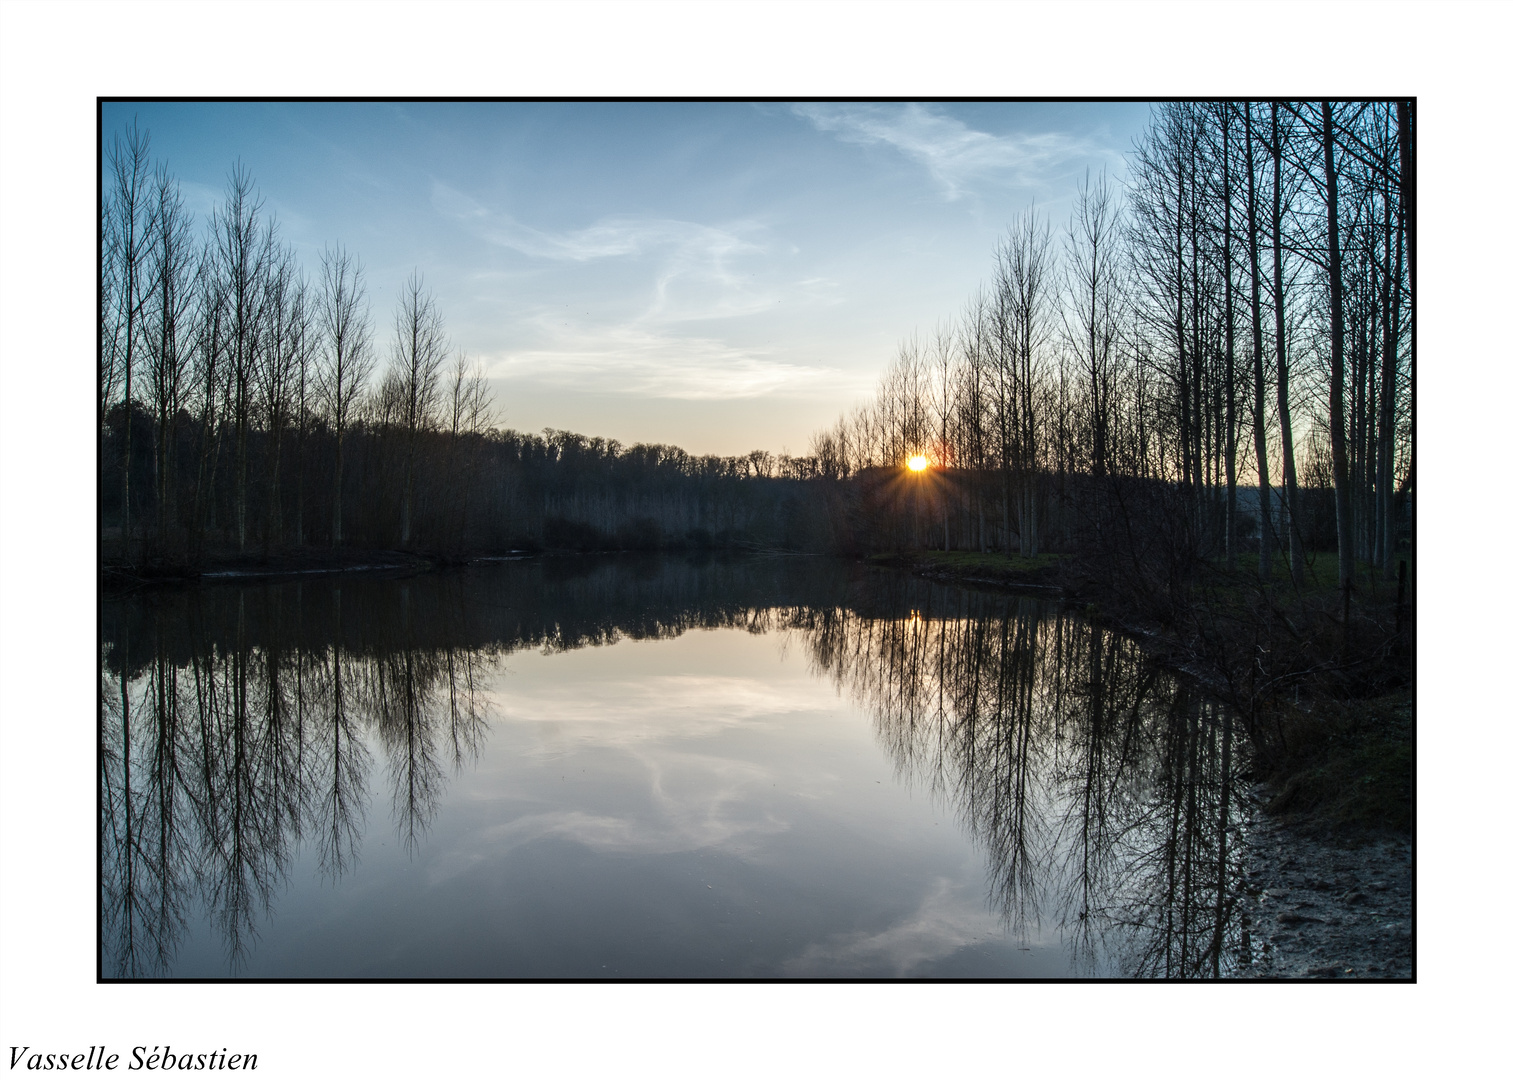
644	767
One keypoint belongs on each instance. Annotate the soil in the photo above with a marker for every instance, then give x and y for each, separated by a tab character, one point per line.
1321	907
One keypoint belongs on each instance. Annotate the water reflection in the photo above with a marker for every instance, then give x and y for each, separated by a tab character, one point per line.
1101	789
242	725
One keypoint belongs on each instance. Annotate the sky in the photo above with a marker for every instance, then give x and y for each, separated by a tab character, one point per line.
721	276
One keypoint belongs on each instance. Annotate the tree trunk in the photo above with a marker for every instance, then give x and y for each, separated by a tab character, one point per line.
1263	478
1231	510
1387	437
336	495
1284	411
1338	446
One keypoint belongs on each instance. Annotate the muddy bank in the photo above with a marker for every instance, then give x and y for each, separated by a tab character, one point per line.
1321	908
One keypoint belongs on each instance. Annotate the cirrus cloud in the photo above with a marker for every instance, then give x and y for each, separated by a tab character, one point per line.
955	155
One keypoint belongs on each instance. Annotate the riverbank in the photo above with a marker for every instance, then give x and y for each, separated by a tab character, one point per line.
1326	907
1329	886
292	562
225	565
978	569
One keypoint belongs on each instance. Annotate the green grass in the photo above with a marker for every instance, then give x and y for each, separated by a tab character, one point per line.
1321	574
1351	767
975	563
991	562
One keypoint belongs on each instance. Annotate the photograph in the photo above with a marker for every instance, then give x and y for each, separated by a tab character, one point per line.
764	539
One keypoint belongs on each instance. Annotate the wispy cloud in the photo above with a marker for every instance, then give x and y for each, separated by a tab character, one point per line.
646	362
955	155
688	242
700	260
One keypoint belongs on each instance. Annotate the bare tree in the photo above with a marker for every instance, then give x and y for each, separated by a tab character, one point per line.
1231	542
415	364
307	347
276	374
1284	405
1023	302
208	374
1094	283
1339	449
1258	361
467	407
127	213
346	359
168	319
943	358
243	250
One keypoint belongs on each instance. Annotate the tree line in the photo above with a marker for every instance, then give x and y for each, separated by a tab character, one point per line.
1195	364
251	405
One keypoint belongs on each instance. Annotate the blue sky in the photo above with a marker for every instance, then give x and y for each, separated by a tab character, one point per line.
721	276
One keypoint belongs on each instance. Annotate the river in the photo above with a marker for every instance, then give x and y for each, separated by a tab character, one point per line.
654	767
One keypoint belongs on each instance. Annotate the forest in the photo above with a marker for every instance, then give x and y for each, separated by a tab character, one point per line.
252	405
1215	358
1208	363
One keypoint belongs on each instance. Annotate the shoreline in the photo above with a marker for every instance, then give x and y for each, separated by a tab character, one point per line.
1317	902
1318	907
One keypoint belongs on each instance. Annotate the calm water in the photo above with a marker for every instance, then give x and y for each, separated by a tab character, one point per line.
646	768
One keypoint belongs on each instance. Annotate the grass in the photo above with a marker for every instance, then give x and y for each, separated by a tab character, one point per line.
1350	766
1334	713
994	566
1321	574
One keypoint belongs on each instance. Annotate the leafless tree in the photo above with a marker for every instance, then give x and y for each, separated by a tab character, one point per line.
1258	362
346	358
127	213
1091	315
415	364
168	322
244	247
468	416
1024	299
278	374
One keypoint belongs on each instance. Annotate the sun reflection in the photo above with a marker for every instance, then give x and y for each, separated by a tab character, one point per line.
918	463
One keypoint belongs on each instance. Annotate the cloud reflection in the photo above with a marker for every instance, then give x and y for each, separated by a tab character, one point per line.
948	915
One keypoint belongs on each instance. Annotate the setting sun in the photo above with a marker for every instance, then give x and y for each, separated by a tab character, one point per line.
918	463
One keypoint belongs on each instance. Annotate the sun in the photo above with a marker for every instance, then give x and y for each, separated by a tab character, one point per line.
918	463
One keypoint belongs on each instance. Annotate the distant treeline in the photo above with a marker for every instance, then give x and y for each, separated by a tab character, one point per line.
491	490
248	405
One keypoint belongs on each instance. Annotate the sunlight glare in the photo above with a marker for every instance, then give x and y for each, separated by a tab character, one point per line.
918	463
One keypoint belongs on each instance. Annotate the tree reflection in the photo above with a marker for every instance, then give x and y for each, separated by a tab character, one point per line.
240	723
218	763
1099	786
